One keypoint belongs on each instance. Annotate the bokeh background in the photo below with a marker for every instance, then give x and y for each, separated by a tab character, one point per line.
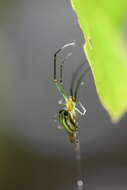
34	154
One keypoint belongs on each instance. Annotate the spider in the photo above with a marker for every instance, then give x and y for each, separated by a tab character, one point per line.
68	115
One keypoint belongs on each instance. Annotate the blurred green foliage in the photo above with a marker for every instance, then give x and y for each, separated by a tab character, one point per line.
104	24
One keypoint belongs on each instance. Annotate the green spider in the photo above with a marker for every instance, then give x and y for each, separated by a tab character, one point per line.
67	116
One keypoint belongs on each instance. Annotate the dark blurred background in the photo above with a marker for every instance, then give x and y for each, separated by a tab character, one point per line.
34	154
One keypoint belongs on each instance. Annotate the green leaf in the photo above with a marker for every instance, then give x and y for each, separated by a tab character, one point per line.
104	25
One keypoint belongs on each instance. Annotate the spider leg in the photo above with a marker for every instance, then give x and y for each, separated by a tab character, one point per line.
83	108
61	90
57	123
59	84
60	127
79	82
74	77
61	102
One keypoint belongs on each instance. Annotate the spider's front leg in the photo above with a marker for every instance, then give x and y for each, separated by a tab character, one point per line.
59	84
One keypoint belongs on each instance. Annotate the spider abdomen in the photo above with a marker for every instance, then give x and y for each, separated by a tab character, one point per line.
67	122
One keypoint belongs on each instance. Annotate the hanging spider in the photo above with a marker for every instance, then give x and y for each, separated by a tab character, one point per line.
67	116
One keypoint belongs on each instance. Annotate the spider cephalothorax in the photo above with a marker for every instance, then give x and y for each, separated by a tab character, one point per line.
67	116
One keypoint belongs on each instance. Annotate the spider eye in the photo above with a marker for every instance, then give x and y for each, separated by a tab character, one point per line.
66	113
